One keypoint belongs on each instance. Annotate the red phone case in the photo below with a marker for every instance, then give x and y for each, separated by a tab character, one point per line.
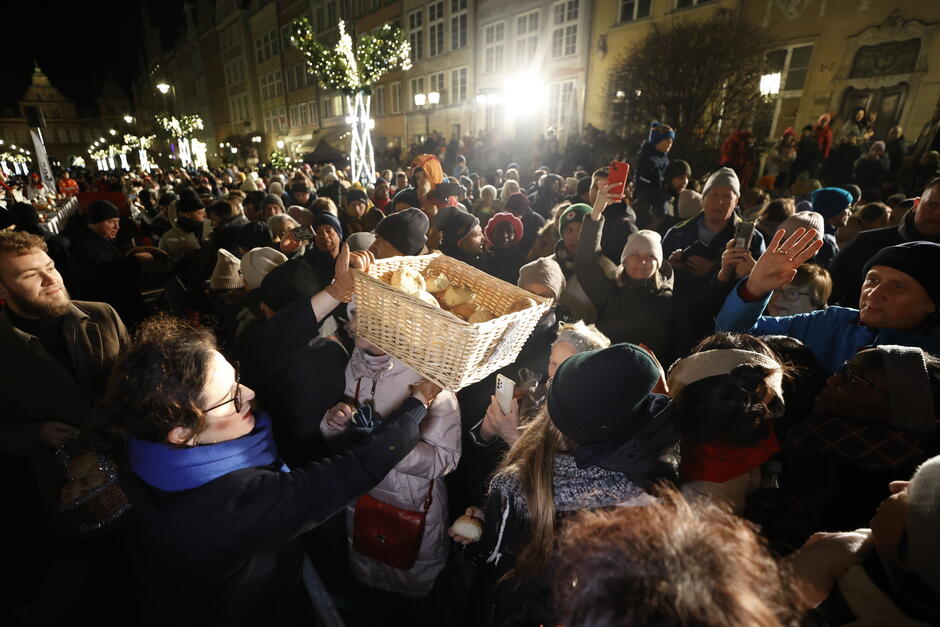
618	174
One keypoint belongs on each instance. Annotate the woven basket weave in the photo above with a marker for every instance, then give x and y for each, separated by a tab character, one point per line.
440	346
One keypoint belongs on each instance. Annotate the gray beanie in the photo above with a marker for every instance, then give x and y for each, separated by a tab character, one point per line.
723	177
645	242
543	271
923	521
690	203
803	219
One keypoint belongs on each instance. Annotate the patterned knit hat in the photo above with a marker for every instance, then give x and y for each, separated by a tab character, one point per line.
574	213
803	219
227	274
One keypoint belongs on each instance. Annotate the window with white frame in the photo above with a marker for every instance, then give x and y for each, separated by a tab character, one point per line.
634	10
436	28
285	36
339	105
561	104
281	118
416	34
238	108
417	87
792	62
527	36
436	83
378	100
303	116
263	83
458	85
458	24
291	78
293	114
684	4
312	111
395	93
493	36
277	85
326	108
565	28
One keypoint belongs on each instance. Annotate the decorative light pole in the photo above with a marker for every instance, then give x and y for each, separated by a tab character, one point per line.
353	71
426	103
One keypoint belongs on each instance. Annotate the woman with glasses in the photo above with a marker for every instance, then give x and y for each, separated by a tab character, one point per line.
808	291
219	515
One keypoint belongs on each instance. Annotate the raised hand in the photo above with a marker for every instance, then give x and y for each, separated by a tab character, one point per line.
777	266
343	283
604	198
735	262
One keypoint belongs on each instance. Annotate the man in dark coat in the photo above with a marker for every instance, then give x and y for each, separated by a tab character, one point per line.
921	224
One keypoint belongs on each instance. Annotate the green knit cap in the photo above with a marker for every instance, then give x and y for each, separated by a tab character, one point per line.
574	213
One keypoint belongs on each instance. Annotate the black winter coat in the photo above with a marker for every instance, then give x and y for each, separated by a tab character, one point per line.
228	553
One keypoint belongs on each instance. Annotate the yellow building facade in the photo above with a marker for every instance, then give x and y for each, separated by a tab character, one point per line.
833	56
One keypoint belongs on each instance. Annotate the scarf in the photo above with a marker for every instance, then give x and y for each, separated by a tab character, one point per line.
175	469
719	463
362	364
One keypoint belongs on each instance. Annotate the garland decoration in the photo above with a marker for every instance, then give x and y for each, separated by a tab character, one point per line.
349	68
183	127
279	160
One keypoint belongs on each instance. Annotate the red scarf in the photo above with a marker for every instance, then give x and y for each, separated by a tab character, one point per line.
719	463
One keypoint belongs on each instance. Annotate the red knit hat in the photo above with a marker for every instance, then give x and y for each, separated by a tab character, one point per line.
505	216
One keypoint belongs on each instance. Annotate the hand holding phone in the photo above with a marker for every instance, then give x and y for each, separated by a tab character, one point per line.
618	174
302	233
504	391
743	234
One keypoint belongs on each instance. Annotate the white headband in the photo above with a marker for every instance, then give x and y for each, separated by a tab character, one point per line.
712	363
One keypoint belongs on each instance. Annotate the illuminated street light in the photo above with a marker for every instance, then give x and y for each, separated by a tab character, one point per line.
280	144
113	132
434	97
770	85
420	100
163	88
128	118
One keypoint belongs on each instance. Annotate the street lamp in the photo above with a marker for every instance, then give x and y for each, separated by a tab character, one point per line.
163	88
426	103
128	118
280	144
113	132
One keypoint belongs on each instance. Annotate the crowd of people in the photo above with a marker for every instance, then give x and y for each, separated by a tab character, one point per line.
727	416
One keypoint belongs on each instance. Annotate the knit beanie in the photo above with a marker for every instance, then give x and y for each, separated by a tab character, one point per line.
360	241
644	242
878	146
354	194
723	177
803	219
167	199
923	521
919	260
189	201
504	216
276	188
272	199
690	203
331	220
574	213
626	376
227	273
289	282
258	262
457	227
518	203
254	235
584	185
830	201
101	210
677	168
406	230
659	132
407	196
543	271
804	205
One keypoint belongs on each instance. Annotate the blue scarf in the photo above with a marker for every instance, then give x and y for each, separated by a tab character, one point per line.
173	469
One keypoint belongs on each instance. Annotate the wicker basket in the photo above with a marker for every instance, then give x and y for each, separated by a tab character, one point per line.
443	348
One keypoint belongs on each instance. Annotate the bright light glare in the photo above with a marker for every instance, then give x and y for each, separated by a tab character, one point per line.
770	84
420	100
128	118
434	97
280	143
524	93
163	88
481	99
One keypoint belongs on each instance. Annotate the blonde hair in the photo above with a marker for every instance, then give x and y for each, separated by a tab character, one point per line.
583	337
532	461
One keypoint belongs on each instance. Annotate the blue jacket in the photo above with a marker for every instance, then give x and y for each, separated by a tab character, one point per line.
834	334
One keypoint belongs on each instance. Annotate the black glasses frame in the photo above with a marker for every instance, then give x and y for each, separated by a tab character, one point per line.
848	371
237	398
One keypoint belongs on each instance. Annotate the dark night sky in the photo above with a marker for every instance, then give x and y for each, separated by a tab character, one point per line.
77	45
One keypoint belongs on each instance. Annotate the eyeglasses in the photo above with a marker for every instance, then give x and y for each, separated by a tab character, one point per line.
792	294
237	399
851	374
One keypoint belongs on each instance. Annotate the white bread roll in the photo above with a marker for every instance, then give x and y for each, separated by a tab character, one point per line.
468	527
